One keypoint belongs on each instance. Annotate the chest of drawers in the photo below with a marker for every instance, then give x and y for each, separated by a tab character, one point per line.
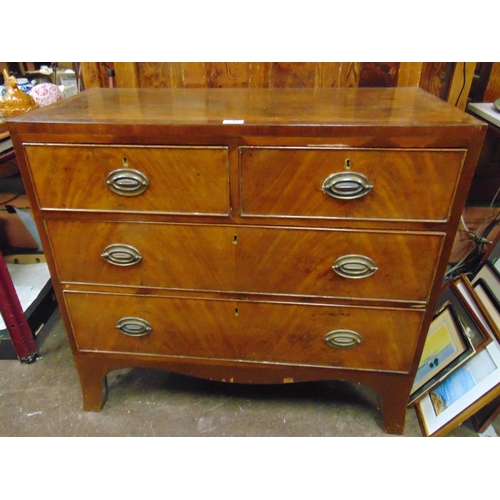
249	235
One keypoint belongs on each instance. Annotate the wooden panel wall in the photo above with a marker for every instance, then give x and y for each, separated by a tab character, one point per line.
437	78
252	74
492	92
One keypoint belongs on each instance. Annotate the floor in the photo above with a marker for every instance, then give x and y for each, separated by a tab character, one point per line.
44	399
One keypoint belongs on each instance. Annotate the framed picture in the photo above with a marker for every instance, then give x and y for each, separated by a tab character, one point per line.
469	295
488	300
443	344
447	346
471	323
490	276
468	389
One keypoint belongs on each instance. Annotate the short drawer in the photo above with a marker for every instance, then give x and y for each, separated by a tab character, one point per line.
173	180
391	184
314	262
361	338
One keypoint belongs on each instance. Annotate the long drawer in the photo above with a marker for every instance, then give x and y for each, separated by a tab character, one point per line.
174	180
344	183
315	262
362	338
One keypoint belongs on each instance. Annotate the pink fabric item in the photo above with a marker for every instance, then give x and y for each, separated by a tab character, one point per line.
45	94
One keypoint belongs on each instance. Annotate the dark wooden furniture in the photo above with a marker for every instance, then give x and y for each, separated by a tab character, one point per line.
249	235
486	183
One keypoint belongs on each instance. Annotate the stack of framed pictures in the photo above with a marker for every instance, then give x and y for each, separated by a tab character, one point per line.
459	373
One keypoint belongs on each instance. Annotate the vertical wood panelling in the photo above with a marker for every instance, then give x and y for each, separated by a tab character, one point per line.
492	92
91	75
436	78
193	74
460	84
378	75
126	75
176	75
292	74
258	75
440	79
348	74
157	75
409	74
227	75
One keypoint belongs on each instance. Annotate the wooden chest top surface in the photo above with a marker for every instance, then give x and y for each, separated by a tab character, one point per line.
259	109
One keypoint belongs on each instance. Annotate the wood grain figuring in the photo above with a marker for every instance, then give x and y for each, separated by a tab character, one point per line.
182	180
260	74
300	262
288	182
95	75
379	74
173	256
254	260
436	78
246	331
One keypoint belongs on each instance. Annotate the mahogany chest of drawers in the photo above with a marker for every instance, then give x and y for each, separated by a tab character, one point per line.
249	235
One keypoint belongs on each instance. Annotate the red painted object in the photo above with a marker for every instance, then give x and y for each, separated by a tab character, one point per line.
15	320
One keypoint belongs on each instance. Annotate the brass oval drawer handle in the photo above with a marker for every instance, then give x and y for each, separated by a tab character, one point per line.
354	266
127	182
134	327
121	255
347	185
343	339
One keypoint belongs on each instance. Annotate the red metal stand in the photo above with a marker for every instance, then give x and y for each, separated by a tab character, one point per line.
15	320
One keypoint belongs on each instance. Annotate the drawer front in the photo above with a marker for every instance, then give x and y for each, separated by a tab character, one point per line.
174	180
338	263
338	183
328	263
246	331
143	254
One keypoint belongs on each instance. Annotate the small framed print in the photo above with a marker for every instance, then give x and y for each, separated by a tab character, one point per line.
488	274
468	389
489	301
471	323
447	346
469	295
